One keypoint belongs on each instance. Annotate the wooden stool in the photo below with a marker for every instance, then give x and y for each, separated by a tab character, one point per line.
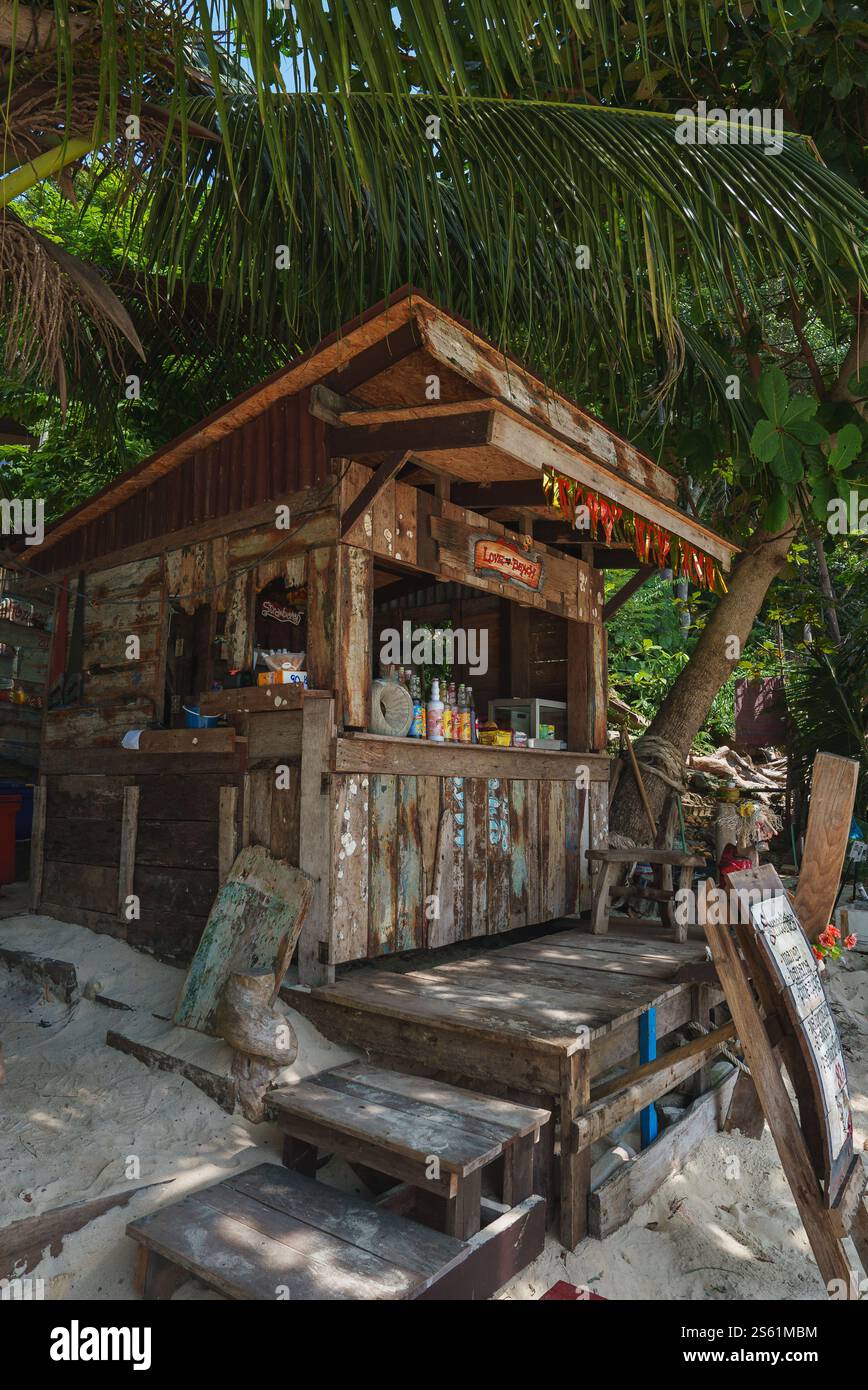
611	861
435	1137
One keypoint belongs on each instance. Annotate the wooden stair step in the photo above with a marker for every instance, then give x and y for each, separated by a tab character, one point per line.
270	1234
404	1116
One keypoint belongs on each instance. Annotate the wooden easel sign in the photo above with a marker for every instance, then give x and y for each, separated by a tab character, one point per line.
776	996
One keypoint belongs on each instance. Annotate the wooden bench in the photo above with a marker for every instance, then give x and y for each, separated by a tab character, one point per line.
433	1136
612	861
273	1235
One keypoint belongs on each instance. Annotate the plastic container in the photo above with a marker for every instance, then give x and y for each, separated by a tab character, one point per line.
10	805
24	819
194	720
434	721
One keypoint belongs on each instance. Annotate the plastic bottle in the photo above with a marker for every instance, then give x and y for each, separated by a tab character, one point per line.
474	729
463	716
417	727
435	714
447	717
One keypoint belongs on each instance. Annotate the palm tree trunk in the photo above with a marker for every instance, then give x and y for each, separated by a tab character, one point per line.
687	704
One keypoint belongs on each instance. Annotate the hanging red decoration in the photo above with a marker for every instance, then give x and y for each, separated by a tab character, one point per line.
649	540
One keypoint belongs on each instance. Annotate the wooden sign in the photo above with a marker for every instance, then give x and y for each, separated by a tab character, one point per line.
494	555
778	1003
795	974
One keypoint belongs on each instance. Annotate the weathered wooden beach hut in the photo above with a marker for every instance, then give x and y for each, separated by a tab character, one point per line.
347	493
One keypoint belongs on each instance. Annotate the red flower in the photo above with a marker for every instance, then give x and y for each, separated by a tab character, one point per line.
850	941
833	931
817	952
826	939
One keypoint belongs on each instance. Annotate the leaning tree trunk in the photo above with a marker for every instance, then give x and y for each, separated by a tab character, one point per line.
687	704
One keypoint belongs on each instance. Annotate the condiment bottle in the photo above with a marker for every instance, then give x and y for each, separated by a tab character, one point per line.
435	714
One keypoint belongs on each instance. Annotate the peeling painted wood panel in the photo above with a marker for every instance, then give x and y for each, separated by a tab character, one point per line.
322	617
428	812
239	638
405	523
383	821
350	872
523	847
575	814
551	849
498	847
409	893
597	835
476	856
354	645
453	924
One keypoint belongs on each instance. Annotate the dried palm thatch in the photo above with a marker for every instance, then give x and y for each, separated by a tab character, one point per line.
52	305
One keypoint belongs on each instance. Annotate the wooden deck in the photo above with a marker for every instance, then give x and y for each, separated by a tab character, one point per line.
539	1020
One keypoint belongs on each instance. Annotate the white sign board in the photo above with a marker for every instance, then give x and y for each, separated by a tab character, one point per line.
778	927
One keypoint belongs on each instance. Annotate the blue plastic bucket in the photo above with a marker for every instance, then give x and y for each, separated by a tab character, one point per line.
194	720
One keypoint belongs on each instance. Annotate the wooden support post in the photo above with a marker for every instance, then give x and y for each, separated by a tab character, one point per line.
587	686
37	843
647	1053
127	859
700	1012
391	465
464	1210
340	587
315	953
518	1171
575	1162
518	617
227	831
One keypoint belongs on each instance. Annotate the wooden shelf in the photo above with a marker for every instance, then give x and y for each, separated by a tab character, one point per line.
380	753
258	699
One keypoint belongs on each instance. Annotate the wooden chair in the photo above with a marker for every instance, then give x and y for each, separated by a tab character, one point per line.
612	861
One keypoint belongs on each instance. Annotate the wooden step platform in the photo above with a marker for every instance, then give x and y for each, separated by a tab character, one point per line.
538	1020
270	1234
433	1136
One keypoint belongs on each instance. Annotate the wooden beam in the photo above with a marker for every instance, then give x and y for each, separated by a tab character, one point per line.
623	1097
365	499
377	358
642	575
466	431
327	405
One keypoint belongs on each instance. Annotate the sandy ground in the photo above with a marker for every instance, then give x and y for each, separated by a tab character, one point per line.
79	1120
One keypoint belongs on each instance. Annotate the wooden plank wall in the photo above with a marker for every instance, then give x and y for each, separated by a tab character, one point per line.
408	876
173	854
21	725
432	534
120	692
278	452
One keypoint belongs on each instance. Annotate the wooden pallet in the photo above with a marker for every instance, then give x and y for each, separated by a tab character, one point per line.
270	1234
435	1137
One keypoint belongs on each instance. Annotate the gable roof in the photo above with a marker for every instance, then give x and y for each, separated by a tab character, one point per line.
370	347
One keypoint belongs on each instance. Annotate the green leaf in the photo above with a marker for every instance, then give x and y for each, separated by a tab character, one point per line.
808	432
848	442
800	408
765	441
773	393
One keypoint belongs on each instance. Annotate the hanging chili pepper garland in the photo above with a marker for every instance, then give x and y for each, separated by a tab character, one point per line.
651	542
